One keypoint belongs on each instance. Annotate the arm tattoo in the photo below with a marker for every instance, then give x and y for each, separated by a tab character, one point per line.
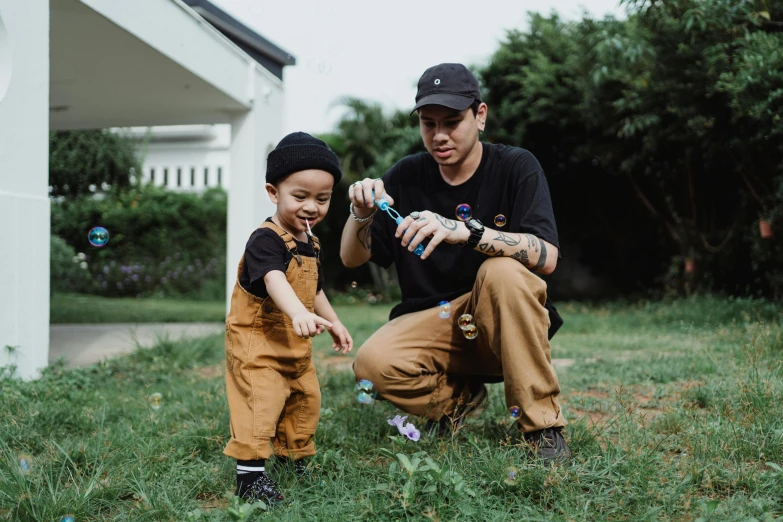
509	239
488	249
532	242
450	224
365	235
541	259
521	256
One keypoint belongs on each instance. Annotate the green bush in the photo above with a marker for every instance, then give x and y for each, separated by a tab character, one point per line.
68	269
162	243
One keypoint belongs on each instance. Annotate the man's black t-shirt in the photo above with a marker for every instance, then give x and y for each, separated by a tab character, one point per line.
266	251
509	182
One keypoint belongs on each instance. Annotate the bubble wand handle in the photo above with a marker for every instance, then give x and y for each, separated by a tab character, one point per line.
384	205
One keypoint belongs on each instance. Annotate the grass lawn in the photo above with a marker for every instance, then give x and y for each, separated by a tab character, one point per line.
674	411
77	308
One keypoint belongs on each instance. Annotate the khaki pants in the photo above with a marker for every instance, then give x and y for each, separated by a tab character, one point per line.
424	365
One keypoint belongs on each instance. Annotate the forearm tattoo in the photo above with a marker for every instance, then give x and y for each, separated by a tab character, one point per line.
541	258
490	250
364	235
509	239
449	224
521	256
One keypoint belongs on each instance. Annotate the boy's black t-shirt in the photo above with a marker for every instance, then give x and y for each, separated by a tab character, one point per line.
509	182
266	251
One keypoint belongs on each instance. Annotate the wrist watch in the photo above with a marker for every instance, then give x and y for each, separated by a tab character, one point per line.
476	229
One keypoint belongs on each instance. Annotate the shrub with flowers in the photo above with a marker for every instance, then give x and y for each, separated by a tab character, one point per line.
160	243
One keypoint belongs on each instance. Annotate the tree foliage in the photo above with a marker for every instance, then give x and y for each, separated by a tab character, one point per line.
82	162
661	134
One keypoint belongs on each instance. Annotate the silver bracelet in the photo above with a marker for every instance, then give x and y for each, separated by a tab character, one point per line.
362	220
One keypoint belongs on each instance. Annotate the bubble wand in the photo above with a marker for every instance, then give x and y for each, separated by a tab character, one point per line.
384	205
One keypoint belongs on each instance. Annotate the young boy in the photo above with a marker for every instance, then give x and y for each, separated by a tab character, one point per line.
276	307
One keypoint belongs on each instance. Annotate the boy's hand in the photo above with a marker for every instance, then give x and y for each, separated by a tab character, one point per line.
307	324
342	339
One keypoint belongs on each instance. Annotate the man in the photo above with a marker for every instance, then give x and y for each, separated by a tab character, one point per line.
486	214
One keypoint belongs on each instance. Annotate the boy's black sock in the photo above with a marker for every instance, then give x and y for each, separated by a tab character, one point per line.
248	472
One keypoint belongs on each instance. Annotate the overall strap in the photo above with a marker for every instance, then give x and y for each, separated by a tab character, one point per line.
317	247
287	238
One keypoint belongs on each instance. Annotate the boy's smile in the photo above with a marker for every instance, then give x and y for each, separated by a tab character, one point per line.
301	198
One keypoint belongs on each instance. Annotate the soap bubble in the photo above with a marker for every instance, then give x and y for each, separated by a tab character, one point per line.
471	332
512	476
464	321
25	463
500	220
365	392
156	400
445	310
98	236
68	518
514	411
463	212
354	285
365	398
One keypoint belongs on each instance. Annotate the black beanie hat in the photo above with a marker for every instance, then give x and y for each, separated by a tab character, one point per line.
299	151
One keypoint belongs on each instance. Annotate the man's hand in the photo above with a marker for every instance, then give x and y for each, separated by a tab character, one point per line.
342	339
430	225
360	194
307	324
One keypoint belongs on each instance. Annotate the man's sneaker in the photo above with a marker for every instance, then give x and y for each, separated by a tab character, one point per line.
449	424
549	445
263	488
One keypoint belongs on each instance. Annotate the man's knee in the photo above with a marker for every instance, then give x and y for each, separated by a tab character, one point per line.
368	363
507	273
388	373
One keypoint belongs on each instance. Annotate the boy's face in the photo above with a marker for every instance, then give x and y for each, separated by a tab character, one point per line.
301	197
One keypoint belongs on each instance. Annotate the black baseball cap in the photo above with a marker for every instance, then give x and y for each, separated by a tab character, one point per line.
449	84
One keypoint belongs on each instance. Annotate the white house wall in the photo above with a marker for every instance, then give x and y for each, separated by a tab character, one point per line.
24	182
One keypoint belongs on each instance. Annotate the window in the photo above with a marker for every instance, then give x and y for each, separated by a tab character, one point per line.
206	176
152	176
179	177
165	177
192	176
220	176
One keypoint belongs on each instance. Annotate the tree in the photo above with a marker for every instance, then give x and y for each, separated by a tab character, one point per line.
674	112
81	162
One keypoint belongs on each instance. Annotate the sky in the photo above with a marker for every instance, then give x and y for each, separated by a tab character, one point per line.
377	50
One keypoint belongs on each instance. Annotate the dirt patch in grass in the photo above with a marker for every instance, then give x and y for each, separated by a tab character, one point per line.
209	372
335	363
644	401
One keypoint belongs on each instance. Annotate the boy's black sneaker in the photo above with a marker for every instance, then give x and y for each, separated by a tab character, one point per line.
262	487
300	466
448	424
549	445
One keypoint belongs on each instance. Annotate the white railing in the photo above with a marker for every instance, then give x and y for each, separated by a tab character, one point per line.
186	178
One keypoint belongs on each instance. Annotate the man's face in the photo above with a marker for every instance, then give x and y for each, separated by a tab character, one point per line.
450	135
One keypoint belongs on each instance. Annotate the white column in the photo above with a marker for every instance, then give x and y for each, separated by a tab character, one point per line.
24	185
252	133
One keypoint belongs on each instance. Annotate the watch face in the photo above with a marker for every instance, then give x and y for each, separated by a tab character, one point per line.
475	223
